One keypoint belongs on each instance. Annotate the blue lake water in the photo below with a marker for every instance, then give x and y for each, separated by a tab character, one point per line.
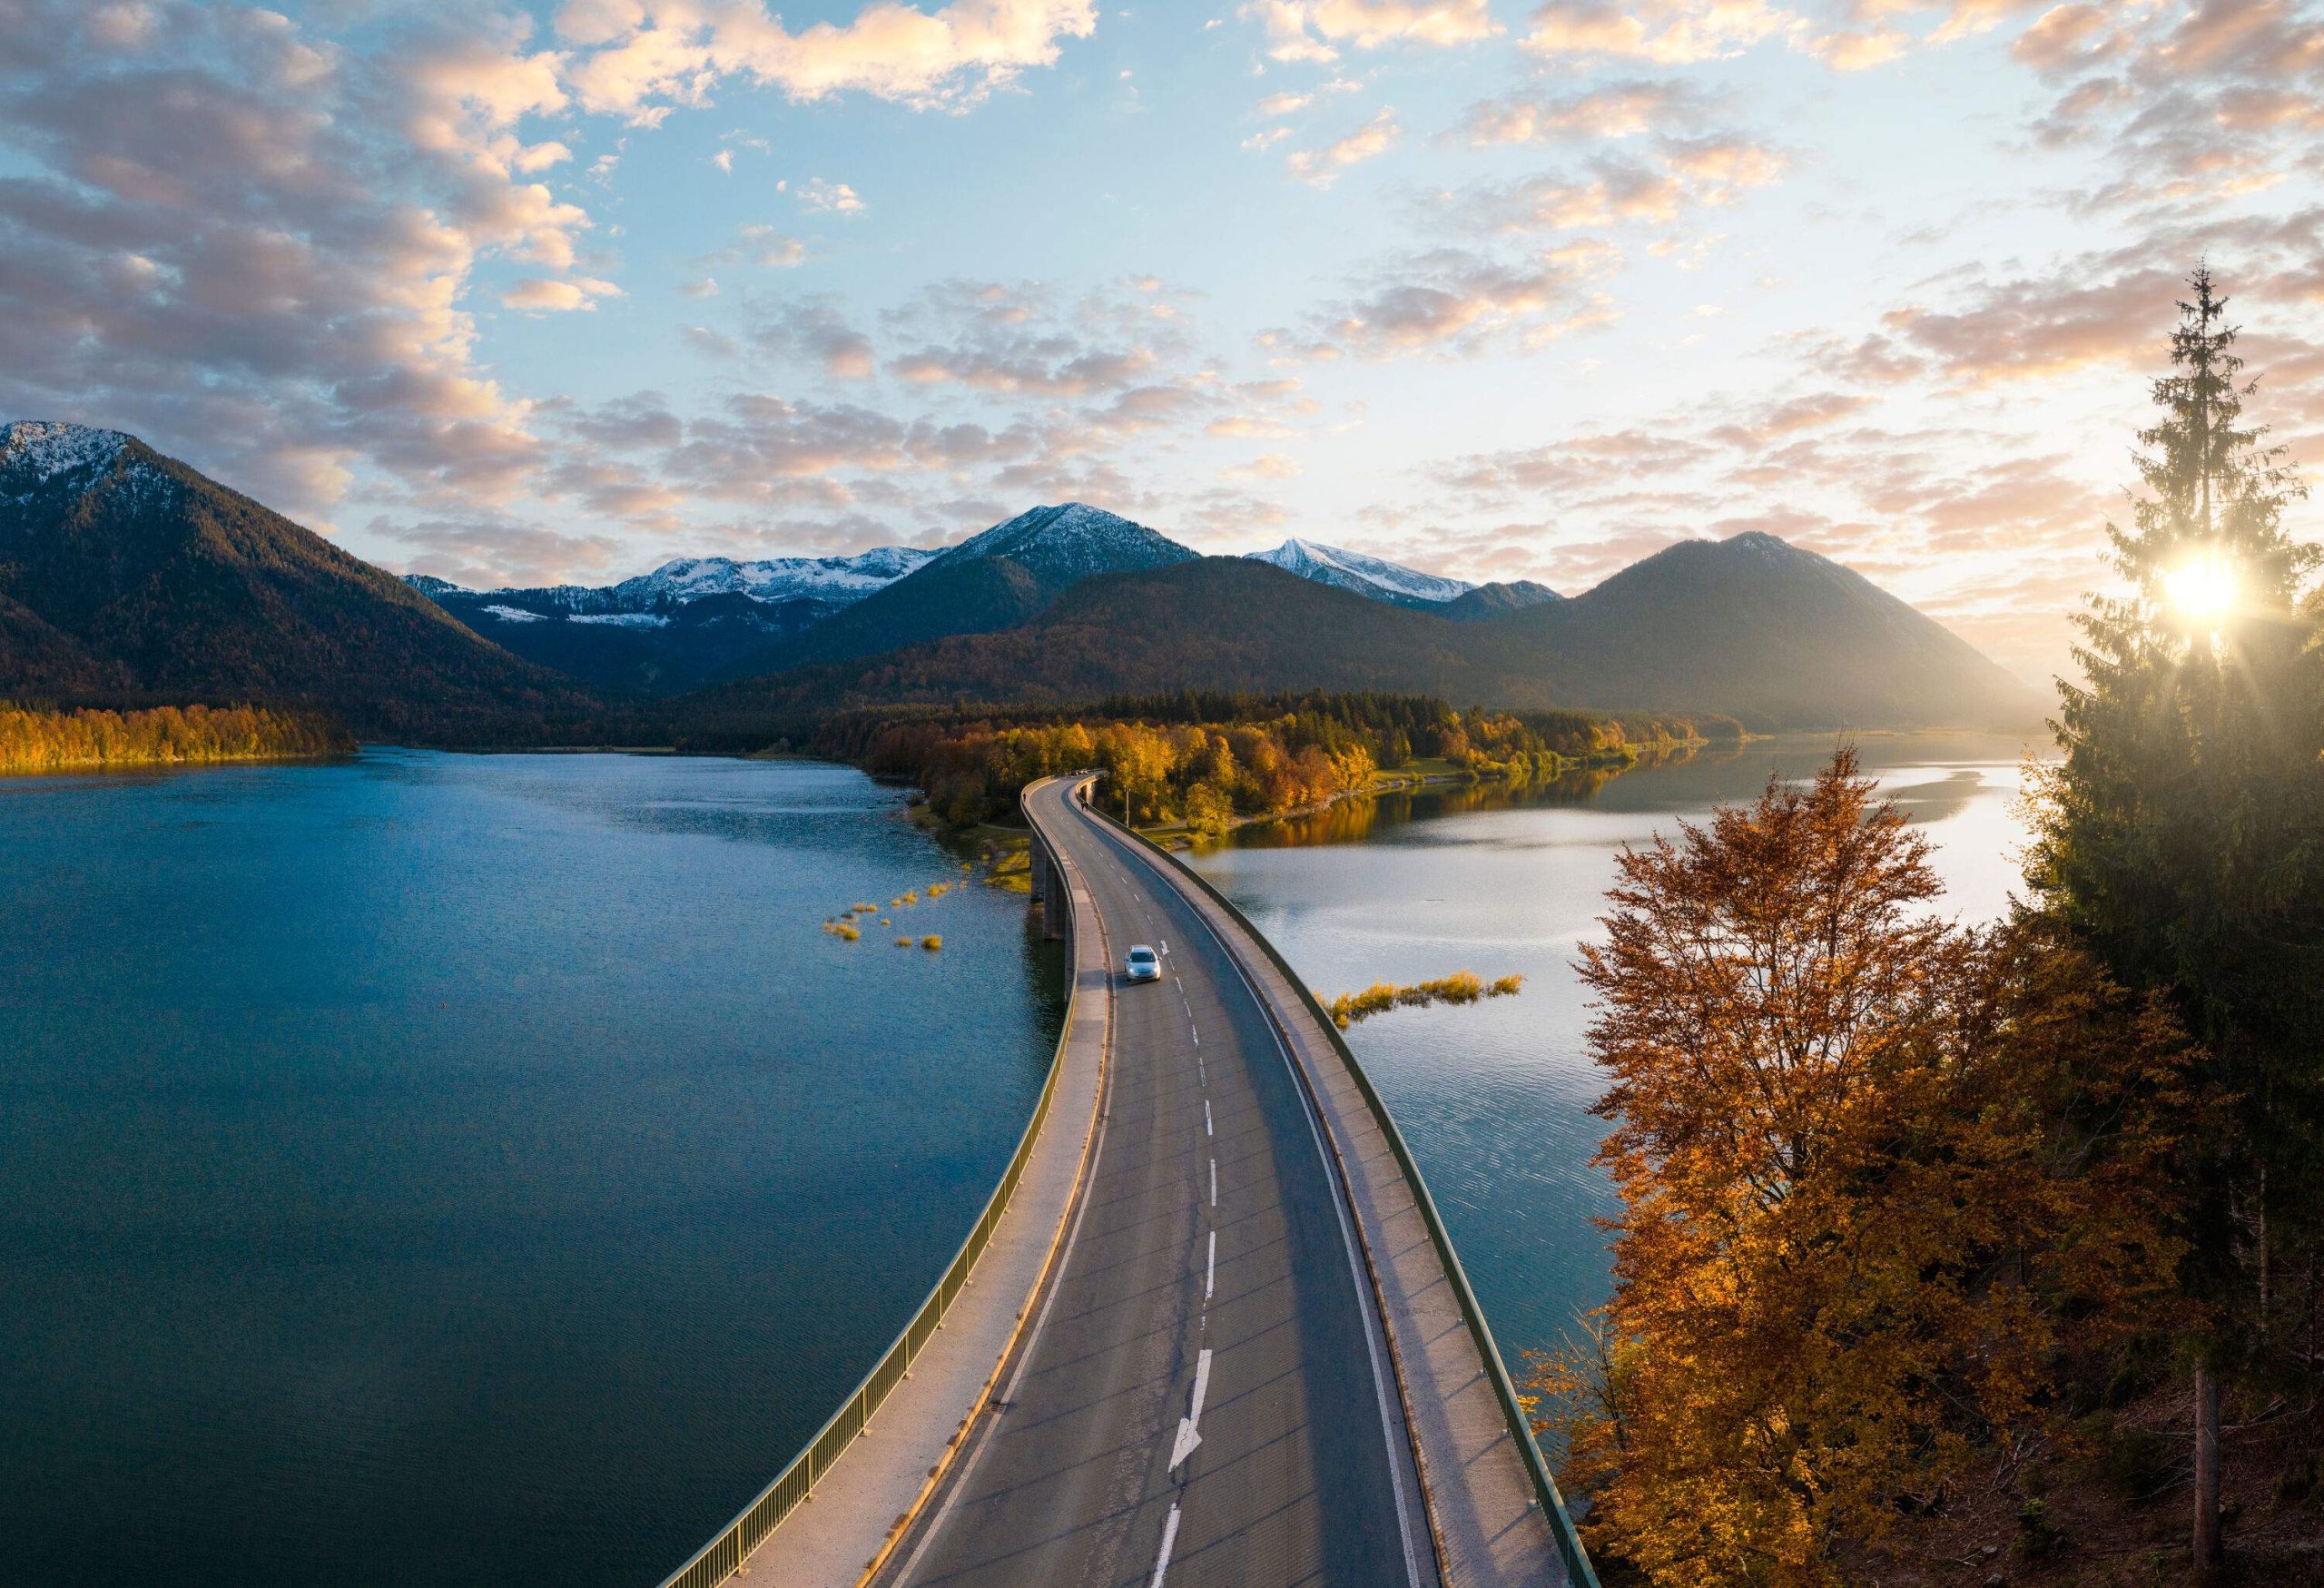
1494	1099
446	1170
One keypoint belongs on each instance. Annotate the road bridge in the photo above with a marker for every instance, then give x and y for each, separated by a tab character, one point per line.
1246	1355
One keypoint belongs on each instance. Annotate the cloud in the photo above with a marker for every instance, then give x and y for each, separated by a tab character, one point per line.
814	330
485	552
639	58
1321	167
1266	466
1668	33
1453	303
551	295
261	271
1613	110
1024	340
1620	189
830	198
1306	30
761	245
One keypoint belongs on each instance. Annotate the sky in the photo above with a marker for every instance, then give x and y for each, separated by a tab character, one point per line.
519	295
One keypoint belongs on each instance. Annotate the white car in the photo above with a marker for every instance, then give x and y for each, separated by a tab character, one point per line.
1143	964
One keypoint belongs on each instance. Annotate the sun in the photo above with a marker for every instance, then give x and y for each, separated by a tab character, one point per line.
2202	588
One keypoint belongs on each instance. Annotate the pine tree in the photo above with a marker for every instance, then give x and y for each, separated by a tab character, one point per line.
2182	835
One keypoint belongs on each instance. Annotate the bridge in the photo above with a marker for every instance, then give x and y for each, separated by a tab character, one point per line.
1210	1329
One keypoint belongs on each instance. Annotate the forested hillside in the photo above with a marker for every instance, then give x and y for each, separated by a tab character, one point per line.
128	578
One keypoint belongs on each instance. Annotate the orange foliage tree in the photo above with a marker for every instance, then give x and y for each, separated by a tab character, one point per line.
1882	1180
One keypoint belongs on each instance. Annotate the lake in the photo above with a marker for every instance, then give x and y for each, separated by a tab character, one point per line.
439	1170
1494	1099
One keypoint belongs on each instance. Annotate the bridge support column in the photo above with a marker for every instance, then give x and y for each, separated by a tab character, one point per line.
1053	910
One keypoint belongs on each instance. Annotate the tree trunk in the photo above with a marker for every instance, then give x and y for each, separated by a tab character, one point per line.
2206	1539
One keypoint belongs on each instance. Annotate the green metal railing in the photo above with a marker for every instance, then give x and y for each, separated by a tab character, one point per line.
1545	1485
724	1554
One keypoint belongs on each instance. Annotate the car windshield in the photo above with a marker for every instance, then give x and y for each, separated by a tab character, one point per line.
1143	956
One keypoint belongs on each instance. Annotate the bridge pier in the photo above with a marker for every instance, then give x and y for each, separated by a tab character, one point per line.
1048	891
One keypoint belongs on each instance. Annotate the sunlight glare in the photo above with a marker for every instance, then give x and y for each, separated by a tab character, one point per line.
2202	588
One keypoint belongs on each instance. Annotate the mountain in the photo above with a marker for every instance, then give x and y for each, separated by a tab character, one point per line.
591	635
1770	633
1752	628
686	622
1365	576
834	580
654	634
1002	576
127	577
1491	600
1064	544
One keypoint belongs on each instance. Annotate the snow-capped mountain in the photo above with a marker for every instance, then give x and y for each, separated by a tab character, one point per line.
835	579
1366	575
39	458
127	575
1070	542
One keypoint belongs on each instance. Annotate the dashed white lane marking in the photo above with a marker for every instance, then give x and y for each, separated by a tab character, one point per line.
1213	1182
1189	1425
1206	1117
1197	1032
1169	1537
1209	1275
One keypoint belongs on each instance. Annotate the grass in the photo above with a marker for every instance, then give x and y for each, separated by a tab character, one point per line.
1460	987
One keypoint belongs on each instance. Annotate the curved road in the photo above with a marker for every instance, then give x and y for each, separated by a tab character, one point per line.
1203	1397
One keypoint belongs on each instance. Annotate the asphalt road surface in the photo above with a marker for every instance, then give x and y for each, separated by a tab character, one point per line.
1204	1396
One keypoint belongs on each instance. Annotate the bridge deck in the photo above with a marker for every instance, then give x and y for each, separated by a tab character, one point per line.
1210	1392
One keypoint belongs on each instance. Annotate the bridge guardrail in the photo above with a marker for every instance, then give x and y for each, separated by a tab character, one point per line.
1545	1485
724	1555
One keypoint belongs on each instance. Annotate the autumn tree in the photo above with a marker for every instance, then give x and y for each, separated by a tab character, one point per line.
1880	1175
2182	835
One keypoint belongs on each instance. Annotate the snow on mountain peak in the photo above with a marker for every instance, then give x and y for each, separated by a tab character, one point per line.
37	450
780	578
1070	541
1361	573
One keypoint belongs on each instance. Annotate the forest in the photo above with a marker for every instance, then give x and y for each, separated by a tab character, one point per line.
36	740
1991	1254
1208	759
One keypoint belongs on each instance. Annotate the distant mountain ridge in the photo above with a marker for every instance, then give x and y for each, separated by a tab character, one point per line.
1753	628
128	577
808	609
